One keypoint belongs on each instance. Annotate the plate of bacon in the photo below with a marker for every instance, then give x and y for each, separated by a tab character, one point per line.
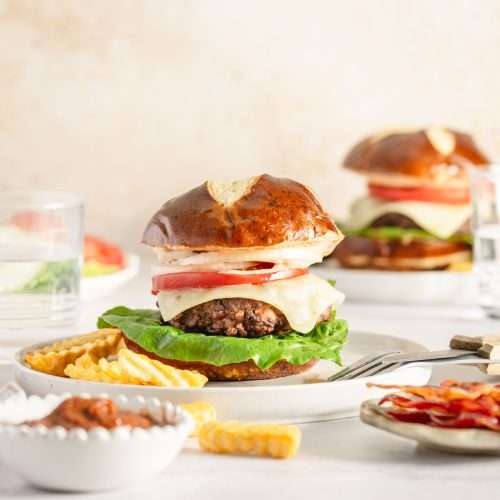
454	417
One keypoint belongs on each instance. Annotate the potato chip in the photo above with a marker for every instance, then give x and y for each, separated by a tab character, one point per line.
54	358
90	372
154	372
202	414
240	438
132	368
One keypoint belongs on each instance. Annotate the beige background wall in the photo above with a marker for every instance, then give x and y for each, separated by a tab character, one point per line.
131	102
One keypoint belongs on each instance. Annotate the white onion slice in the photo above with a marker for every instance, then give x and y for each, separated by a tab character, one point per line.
295	256
227	268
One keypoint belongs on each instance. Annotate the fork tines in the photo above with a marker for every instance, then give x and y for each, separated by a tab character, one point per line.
361	366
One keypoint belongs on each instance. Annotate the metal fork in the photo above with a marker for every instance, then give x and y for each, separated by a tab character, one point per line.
385	362
362	364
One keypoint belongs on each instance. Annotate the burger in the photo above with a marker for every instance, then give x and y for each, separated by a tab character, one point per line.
416	215
235	297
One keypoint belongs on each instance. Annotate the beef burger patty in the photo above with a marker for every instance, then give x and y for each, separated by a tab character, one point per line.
235	317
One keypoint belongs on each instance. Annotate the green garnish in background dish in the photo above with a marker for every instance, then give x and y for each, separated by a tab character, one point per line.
61	276
399	233
93	268
146	329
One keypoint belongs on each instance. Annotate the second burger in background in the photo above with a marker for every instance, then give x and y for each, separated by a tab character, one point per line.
236	299
417	212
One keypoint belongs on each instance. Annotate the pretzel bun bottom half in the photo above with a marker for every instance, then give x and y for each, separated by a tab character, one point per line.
234	372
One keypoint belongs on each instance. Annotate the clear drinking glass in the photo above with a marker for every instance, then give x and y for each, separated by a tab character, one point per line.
41	237
485	187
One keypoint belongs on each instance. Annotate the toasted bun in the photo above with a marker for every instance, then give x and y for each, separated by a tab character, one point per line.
427	156
258	212
366	253
242	371
233	372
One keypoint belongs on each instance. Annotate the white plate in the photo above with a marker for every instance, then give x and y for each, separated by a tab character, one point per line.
97	287
401	287
466	441
288	399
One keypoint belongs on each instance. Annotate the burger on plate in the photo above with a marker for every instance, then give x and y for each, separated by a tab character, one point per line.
235	296
417	211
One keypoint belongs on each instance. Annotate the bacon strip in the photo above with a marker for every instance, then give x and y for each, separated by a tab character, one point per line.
452	404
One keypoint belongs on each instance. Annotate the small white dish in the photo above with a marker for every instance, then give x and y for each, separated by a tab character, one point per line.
295	399
458	441
97	287
401	287
80	460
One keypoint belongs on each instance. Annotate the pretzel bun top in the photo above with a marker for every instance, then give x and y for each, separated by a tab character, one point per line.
434	155
262	211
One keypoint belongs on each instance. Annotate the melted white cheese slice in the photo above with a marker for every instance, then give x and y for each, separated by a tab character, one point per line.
301	299
439	219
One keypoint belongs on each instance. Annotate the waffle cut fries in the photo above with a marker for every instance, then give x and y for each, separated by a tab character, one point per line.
272	440
202	414
132	368
87	368
54	358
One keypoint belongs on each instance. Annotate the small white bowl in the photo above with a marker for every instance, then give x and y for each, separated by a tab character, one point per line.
80	460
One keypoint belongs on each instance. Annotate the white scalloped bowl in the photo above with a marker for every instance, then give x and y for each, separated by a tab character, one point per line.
80	460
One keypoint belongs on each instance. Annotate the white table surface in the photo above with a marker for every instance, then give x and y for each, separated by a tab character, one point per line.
340	459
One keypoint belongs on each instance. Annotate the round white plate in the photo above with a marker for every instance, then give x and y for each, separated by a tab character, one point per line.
401	287
97	287
289	399
466	441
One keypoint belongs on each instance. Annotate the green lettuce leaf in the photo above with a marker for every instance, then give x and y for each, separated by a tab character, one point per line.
145	328
399	233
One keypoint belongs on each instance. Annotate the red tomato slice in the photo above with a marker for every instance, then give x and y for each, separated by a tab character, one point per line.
452	196
103	252
174	281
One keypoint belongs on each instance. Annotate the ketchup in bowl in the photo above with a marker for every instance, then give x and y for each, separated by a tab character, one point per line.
88	413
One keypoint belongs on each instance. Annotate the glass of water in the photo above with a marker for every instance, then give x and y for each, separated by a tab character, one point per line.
485	186
41	236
